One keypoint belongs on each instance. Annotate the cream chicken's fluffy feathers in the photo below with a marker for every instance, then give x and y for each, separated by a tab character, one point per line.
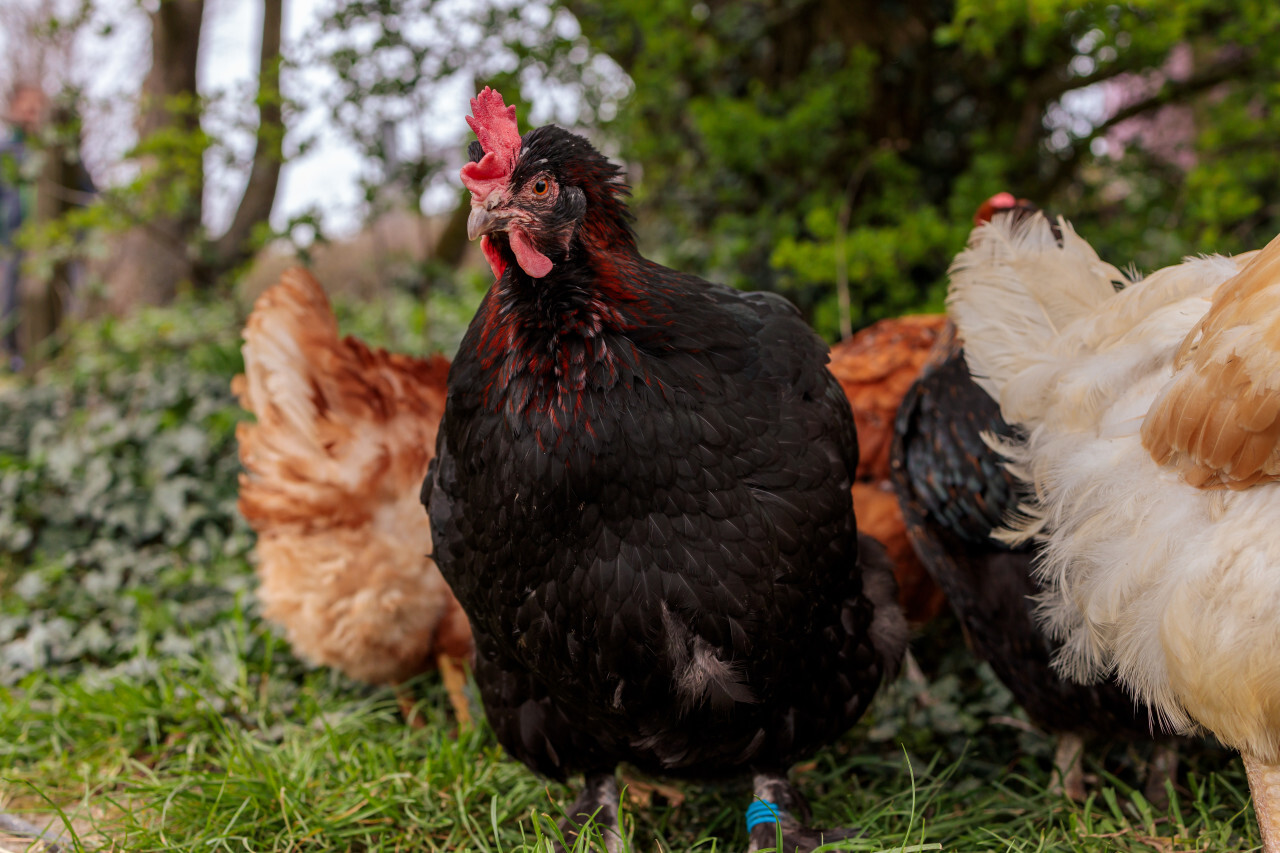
1149	573
333	466
1218	421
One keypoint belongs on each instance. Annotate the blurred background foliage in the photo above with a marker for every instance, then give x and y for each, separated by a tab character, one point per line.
778	142
803	146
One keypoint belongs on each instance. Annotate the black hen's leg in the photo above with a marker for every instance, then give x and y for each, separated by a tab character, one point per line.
597	805
1068	767
1163	767
788	810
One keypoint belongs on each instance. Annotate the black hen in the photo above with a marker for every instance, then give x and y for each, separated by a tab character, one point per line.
641	499
954	490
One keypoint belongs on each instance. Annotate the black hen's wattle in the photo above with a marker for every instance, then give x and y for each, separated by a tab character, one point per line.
641	498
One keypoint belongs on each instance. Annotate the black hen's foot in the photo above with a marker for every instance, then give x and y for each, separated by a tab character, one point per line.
1163	768
595	812
777	805
1068	767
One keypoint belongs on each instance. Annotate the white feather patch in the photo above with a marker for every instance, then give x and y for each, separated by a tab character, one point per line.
1171	588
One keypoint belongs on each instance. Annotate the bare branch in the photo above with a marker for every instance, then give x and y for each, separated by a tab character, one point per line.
233	247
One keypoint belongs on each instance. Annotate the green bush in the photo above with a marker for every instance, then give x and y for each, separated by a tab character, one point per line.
119	535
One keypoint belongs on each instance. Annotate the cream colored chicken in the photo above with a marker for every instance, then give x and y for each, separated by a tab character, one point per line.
333	468
1153	434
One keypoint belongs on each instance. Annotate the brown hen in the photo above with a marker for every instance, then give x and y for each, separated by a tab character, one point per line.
333	467
876	367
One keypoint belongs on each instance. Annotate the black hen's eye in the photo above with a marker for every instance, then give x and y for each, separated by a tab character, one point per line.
540	187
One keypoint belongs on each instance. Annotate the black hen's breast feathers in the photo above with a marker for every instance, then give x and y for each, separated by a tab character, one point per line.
651	528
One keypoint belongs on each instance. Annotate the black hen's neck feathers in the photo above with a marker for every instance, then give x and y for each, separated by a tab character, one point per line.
607	224
548	339
599	284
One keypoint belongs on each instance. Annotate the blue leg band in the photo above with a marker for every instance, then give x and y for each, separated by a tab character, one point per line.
763	812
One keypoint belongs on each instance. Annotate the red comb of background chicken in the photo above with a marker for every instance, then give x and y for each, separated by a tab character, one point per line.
495	126
1018	208
992	206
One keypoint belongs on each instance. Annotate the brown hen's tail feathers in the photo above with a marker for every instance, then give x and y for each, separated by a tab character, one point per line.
333	467
314	396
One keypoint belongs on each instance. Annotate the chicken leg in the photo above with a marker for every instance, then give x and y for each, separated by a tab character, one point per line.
774	794
596	811
454	675
1068	767
405	700
1264	785
1162	768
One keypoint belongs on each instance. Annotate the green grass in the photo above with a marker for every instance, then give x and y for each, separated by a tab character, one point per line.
240	748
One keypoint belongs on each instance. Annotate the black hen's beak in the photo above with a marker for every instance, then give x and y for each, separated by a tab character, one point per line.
484	221
481	221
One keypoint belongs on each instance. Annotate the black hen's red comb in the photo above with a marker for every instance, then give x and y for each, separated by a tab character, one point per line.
495	127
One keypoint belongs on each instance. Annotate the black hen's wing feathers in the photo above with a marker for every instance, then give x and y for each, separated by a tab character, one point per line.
953	490
803	367
958	481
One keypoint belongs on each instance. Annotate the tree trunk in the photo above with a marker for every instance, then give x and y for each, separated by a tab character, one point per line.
46	296
153	258
164	250
43	299
452	243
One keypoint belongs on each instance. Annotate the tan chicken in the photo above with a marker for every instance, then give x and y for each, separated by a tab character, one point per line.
876	367
1151	441
333	469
